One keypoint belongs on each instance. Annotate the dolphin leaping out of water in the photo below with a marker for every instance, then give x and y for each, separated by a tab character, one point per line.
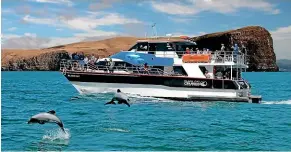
46	117
120	97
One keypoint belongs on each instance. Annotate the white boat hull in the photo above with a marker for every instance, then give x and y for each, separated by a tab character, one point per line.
162	91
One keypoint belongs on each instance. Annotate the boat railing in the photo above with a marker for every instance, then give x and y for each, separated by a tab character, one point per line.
78	65
217	56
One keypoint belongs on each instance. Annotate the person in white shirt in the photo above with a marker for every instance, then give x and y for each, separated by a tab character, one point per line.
85	63
222	47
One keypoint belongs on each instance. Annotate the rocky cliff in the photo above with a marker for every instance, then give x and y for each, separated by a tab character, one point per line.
257	40
44	62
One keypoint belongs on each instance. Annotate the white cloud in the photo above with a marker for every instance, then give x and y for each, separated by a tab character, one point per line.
12	29
102	4
32	41
181	20
281	41
86	23
48	21
67	2
282	33
30	35
191	7
174	8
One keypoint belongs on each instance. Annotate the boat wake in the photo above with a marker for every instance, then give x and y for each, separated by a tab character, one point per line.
277	102
57	136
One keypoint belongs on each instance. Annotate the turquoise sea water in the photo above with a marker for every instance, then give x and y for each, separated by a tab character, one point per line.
149	124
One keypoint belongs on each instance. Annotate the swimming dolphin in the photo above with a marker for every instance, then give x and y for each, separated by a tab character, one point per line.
120	97
46	117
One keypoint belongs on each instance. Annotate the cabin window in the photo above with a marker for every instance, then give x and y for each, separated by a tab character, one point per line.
163	46
143	46
134	48
217	84
224	84
203	69
179	70
230	85
101	63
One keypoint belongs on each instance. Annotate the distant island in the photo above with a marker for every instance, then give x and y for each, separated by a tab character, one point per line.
256	39
284	65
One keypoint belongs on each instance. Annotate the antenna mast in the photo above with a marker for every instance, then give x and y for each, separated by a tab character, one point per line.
155	30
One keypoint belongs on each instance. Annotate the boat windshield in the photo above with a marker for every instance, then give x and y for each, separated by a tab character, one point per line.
243	84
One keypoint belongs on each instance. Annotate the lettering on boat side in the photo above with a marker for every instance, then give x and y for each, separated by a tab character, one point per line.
73	75
195	83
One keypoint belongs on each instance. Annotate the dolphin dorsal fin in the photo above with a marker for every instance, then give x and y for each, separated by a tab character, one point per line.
52	112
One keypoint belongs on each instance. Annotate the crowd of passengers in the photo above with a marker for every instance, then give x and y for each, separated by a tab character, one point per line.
235	48
90	60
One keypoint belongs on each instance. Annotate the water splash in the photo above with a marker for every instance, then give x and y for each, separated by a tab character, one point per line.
277	102
58	134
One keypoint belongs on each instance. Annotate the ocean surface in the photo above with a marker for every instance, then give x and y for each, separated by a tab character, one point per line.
149	124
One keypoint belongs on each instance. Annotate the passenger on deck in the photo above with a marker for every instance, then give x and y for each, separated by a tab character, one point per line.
81	56
219	75
146	68
197	51
111	67
92	59
73	55
235	48
76	56
205	51
222	47
235	52
105	65
187	50
207	75
86	61
226	75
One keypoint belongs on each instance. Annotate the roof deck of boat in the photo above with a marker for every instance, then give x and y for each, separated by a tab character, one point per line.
164	40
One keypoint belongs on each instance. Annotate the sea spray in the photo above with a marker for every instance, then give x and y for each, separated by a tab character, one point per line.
57	134
277	102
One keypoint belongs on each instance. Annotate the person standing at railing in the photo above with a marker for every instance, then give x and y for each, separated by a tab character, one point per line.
85	63
111	65
92	59
187	50
146	68
222	47
235	52
197	51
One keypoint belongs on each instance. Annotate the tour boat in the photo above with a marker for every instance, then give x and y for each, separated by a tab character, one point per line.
166	68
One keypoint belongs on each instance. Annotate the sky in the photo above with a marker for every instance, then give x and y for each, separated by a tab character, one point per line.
29	24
